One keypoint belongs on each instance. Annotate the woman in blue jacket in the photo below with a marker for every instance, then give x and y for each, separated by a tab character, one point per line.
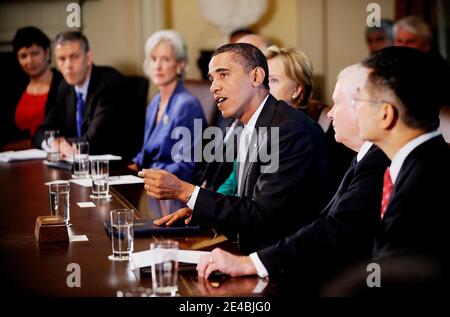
169	139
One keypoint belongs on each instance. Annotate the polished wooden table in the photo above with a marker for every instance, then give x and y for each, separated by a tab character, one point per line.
31	268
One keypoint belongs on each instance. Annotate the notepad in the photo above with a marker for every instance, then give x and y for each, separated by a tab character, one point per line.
32	154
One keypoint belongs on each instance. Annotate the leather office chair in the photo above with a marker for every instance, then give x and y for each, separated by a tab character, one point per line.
444	127
136	88
200	89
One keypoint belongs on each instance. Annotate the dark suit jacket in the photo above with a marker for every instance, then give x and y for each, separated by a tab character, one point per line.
417	217
344	232
273	205
102	126
215	173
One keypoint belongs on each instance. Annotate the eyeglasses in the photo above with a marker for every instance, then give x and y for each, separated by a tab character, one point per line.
354	101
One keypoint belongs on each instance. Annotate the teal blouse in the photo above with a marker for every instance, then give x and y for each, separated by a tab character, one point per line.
230	186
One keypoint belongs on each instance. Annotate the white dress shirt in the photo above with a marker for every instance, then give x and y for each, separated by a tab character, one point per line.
83	88
249	129
403	153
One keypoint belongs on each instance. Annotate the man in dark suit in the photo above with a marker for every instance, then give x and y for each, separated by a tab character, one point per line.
343	233
89	102
398	109
290	186
397	112
213	174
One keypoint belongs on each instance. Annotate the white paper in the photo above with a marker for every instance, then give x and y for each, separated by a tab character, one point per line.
32	154
78	238
113	180
146	258
88	204
57	181
108	157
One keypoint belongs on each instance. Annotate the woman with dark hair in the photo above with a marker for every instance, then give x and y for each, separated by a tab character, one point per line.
32	101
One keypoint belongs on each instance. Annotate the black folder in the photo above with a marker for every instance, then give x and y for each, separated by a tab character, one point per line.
146	227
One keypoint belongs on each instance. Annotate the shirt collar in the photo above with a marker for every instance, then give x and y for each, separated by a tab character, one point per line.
250	126
83	88
363	151
403	153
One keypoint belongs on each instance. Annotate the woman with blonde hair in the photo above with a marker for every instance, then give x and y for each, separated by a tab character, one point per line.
291	80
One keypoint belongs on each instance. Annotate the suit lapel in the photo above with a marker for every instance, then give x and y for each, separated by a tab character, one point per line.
264	120
252	155
89	99
408	166
343	186
151	123
70	110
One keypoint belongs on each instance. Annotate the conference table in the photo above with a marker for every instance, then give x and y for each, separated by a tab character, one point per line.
33	268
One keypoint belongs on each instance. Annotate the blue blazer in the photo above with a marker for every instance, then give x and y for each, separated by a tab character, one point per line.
158	145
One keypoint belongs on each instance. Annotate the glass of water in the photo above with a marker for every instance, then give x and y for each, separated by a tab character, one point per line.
100	179
59	199
51	145
80	159
164	267
122	234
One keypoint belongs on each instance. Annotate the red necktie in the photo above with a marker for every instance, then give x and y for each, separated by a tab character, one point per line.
387	190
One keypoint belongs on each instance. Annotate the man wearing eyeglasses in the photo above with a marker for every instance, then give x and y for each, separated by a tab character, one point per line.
397	112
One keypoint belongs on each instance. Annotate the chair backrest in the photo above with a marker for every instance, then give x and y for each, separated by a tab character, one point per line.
200	89
136	103
444	126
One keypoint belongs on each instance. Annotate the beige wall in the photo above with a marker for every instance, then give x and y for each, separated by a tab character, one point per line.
329	31
345	42
50	16
186	18
117	30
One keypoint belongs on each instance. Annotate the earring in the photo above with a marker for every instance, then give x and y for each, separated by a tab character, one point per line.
294	96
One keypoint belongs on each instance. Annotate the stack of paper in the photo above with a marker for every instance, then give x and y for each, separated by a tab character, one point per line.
108	157
113	180
32	154
146	258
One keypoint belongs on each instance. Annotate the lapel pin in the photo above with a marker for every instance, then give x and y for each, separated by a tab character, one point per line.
166	119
